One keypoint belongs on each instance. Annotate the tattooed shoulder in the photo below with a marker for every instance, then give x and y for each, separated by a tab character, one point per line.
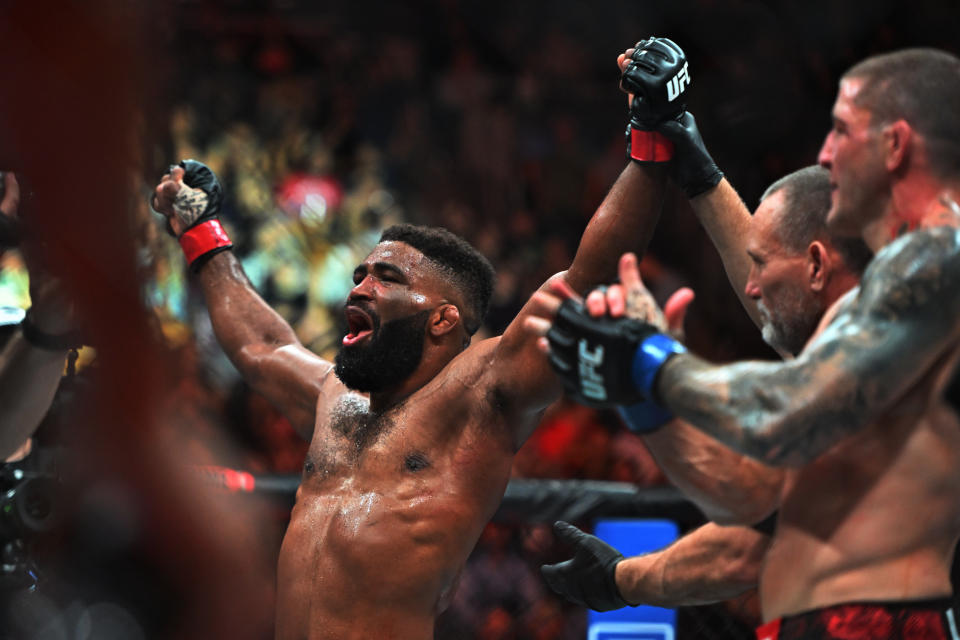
918	273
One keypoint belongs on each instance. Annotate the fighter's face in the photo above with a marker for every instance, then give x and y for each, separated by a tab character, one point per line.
778	282
852	151
387	313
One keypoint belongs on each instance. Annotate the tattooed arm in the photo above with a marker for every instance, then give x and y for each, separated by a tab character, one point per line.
884	339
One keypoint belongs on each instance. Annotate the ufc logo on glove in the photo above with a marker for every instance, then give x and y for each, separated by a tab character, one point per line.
598	359
591	382
678	83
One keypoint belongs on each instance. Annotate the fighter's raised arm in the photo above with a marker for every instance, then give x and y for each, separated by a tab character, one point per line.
657	78
716	204
259	342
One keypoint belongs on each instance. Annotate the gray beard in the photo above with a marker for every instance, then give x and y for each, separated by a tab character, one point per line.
790	336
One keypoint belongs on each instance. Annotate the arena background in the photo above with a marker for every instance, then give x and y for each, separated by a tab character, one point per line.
501	121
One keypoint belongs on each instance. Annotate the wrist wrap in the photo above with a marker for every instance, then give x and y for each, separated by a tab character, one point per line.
648	146
651	355
645	417
205	238
48	341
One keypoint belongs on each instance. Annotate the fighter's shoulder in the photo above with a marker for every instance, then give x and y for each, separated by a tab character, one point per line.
920	248
331	392
470	365
917	270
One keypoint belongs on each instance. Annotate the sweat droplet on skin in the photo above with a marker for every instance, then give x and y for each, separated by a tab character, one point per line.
355	513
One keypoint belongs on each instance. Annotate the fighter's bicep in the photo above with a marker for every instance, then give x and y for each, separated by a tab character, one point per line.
291	377
518	369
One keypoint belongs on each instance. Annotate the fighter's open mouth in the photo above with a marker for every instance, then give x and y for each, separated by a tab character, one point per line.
359	326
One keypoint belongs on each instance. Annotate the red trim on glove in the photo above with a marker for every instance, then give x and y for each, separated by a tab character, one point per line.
649	146
203	238
769	631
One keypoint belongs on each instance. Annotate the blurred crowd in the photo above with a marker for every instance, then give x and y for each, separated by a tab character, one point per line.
501	123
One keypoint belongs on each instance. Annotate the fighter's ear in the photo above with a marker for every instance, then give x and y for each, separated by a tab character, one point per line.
819	262
444	319
897	139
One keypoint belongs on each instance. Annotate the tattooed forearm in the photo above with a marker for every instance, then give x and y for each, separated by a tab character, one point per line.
902	320
189	205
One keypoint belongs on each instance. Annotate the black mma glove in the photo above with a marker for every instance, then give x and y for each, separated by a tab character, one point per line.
658	77
692	168
594	356
607	361
587	578
196	207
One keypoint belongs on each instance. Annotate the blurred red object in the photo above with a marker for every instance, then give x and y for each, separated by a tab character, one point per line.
309	196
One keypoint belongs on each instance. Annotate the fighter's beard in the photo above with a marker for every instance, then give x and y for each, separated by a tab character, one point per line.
393	353
790	336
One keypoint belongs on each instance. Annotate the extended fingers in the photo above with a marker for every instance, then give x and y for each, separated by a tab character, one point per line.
542	309
629	271
611	300
596	302
675	310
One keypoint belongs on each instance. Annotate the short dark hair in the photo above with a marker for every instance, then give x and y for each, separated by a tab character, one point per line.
921	86
468	270
806	196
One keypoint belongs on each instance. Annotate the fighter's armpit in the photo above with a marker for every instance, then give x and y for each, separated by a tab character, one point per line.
885	339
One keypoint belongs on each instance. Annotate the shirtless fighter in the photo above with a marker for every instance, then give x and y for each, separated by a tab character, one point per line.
797	270
870	505
413	429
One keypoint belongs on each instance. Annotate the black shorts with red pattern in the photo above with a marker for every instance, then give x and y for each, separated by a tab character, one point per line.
908	620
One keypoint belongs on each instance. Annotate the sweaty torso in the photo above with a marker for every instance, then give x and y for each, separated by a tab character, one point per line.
388	510
877	516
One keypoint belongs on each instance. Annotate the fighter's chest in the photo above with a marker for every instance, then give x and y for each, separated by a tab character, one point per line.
353	441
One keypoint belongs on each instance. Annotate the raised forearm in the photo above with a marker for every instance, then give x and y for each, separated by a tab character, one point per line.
710	564
243	322
29	377
623	222
726	220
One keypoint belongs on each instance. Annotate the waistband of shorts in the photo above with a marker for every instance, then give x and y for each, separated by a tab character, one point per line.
945	605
